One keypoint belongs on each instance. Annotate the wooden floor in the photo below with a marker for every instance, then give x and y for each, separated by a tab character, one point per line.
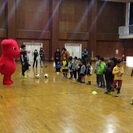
58	105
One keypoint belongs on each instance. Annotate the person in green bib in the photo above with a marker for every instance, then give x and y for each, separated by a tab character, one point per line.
100	72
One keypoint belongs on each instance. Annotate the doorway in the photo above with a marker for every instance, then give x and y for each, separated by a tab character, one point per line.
75	49
30	47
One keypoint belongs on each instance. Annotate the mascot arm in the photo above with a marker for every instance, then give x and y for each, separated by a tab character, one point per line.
2	63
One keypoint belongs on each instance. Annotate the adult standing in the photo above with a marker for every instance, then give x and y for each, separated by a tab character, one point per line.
65	53
35	54
24	60
57	56
85	55
42	57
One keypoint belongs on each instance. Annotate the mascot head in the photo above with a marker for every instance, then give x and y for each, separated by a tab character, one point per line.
10	48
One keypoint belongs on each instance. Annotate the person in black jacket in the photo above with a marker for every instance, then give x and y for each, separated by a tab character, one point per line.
42	57
108	78
35	58
24	59
85	55
57	56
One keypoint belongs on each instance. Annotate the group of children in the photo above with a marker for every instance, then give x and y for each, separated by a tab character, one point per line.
78	69
108	74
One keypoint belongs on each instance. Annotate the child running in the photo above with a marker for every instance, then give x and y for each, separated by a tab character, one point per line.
118	71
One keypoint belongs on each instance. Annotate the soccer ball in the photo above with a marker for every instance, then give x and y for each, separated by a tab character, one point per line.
37	76
131	101
46	75
57	73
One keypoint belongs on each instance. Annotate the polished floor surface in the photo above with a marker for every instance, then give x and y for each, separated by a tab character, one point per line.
59	105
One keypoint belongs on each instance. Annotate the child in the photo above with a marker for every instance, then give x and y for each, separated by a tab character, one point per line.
58	67
108	78
75	67
64	67
118	71
97	58
78	69
24	60
82	72
70	63
100	72
89	70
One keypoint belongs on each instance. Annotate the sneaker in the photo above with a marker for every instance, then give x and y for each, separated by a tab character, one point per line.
25	77
106	92
117	95
112	89
96	85
87	83
110	93
82	82
116	89
101	86
78	80
131	103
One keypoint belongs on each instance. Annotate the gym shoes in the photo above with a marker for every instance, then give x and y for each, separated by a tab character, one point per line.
106	92
131	103
117	94
102	86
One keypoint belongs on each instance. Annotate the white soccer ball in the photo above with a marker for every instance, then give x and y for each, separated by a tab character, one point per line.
46	75
37	76
57	73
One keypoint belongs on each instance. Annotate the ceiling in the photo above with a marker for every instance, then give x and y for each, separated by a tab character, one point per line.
119	0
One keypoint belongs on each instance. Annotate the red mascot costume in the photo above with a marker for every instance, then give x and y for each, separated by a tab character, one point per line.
10	51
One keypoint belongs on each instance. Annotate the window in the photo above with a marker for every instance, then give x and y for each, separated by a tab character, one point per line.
131	14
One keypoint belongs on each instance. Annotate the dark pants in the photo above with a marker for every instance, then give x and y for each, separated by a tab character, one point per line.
101	80
25	67
65	71
42	60
97	79
57	69
35	62
56	61
75	74
71	74
108	85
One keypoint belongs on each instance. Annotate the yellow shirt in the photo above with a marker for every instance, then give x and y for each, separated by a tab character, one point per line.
118	72
64	64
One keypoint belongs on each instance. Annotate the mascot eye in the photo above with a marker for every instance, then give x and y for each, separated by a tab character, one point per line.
14	48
